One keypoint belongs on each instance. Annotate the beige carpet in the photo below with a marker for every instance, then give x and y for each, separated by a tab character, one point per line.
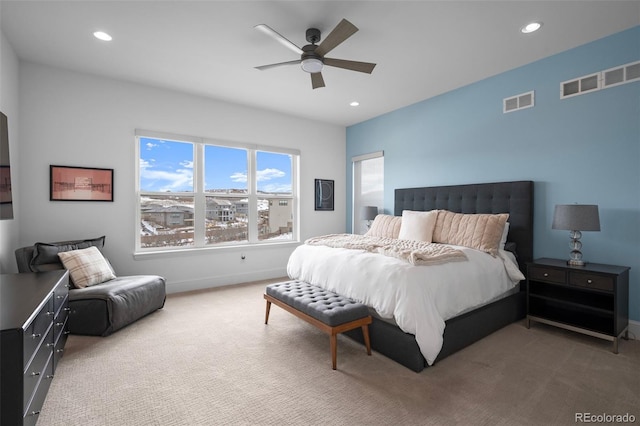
208	359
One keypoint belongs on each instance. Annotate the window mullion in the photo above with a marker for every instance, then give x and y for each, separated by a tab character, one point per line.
199	214
252	226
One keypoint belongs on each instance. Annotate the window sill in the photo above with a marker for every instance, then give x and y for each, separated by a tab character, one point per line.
142	255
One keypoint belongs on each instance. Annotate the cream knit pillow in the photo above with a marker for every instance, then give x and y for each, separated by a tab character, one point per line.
479	231
385	226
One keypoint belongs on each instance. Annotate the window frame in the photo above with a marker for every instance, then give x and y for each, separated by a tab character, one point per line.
200	196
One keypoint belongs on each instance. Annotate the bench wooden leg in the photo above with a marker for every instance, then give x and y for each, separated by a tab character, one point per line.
266	314
334	350
365	334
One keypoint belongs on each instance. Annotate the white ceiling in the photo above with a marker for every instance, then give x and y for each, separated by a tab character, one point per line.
209	48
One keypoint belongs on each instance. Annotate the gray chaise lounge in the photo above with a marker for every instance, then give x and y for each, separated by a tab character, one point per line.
101	309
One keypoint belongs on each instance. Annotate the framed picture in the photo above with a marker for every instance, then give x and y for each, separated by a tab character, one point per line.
80	184
324	194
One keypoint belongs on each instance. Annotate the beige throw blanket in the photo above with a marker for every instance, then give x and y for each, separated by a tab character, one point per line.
414	252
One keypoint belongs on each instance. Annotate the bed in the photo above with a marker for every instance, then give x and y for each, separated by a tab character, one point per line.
467	326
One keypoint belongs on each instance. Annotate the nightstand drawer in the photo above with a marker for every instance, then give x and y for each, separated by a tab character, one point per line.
587	280
547	274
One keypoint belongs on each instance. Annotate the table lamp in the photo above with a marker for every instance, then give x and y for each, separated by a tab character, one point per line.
369	213
576	218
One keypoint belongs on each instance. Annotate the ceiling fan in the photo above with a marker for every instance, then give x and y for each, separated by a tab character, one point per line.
312	56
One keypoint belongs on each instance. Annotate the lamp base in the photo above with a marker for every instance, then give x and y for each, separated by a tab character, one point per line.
574	262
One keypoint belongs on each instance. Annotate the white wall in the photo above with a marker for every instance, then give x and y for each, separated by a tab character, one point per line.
76	119
9	228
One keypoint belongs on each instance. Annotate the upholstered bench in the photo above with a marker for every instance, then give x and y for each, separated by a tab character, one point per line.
327	311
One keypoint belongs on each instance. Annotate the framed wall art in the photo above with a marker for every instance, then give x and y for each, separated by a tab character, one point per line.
324	194
80	184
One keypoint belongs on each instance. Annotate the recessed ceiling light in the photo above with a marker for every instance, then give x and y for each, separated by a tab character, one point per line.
531	27
101	35
354	103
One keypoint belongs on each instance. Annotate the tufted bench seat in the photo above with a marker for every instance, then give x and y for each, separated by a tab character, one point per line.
327	311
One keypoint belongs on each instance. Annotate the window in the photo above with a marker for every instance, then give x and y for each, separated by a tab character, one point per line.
368	187
195	193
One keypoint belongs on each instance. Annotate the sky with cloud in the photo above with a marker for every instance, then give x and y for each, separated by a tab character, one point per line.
167	166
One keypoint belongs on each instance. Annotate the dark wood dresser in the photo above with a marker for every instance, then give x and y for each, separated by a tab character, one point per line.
33	331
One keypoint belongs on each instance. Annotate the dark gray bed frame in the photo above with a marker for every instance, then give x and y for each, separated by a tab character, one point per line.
515	198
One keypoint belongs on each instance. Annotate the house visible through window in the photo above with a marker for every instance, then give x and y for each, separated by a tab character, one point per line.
195	193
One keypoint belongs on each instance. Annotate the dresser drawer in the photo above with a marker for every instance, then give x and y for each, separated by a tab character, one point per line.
36	331
36	370
32	412
60	294
551	275
59	323
61	340
583	279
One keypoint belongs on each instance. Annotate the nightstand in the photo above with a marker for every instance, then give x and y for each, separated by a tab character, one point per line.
591	299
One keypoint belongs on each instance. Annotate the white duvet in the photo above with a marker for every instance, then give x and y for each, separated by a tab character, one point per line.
419	298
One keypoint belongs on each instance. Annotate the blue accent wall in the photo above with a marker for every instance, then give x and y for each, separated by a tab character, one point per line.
584	149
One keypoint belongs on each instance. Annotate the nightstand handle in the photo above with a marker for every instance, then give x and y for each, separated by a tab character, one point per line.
545	274
589	281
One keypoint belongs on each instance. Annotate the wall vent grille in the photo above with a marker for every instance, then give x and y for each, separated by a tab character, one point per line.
518	102
601	80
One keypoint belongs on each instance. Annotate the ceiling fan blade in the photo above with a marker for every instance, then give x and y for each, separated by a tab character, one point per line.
279	38
266	67
340	33
350	65
317	80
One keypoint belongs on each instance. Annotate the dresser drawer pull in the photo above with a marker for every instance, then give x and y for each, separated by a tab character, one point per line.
59	351
589	282
50	376
50	344
35	373
34	413
66	332
67	309
49	313
59	297
35	336
59	324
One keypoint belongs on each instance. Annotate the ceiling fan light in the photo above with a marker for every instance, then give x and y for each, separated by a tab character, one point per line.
311	65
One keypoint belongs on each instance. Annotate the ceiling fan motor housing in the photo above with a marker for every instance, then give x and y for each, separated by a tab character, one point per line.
313	35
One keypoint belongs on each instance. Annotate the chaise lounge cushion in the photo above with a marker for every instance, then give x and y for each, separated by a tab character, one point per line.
103	308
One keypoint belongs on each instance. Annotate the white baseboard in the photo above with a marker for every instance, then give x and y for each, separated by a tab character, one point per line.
219	281
634	330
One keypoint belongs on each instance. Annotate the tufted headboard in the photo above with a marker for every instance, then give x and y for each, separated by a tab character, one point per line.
515	198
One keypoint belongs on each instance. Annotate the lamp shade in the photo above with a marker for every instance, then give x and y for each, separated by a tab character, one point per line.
576	217
369	212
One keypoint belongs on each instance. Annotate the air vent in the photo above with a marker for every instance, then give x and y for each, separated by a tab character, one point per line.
622	74
601	80
580	85
518	102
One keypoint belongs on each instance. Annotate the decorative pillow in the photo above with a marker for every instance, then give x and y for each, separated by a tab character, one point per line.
505	233
479	231
86	266
385	226
418	226
48	252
